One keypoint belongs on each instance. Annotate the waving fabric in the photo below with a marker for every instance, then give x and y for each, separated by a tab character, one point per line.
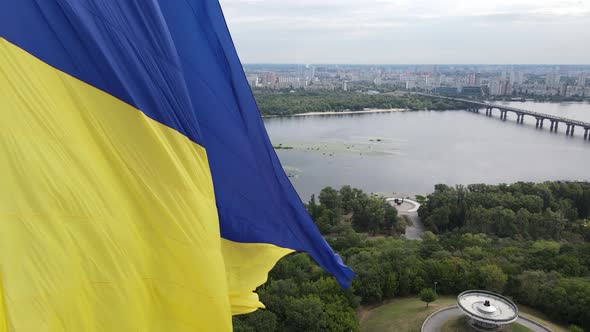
139	190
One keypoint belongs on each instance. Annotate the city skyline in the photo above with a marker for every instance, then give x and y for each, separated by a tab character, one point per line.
410	32
531	81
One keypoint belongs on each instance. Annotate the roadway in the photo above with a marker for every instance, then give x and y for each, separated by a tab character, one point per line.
436	320
512	109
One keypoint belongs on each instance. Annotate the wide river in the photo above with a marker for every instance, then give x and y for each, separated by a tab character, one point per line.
410	152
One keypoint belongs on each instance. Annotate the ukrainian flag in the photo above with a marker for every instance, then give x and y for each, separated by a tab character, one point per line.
138	188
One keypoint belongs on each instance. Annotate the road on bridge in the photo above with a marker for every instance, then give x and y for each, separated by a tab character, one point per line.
540	117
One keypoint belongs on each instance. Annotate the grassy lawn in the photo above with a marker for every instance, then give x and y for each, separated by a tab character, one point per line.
402	315
459	324
408	314
519	328
541	318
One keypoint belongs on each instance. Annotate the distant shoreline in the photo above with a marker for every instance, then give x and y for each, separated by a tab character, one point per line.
391	110
365	111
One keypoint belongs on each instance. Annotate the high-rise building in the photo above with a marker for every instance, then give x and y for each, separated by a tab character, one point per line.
581	79
410	84
472	79
346	85
516	77
311	72
494	88
552	79
563	90
252	80
500	88
268	78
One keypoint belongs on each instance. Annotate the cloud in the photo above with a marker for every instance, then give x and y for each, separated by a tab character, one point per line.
397	31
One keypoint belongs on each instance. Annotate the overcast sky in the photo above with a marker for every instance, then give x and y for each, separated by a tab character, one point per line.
410	31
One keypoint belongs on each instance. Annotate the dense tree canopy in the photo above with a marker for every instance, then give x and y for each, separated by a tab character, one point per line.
533	266
271	102
350	206
550	210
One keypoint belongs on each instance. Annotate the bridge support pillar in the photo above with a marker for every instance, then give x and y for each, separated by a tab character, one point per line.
475	106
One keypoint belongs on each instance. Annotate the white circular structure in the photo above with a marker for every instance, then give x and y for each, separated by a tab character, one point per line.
487	311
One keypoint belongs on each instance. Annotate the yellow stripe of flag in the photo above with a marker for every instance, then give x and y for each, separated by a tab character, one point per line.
107	211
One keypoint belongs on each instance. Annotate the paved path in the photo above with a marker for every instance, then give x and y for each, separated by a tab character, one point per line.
436	320
409	208
531	324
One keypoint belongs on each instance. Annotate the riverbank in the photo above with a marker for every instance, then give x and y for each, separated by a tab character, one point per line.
344	112
304	102
365	111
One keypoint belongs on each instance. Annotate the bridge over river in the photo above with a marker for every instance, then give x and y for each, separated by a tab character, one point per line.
475	106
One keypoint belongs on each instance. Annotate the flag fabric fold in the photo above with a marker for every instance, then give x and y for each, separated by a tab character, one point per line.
139	188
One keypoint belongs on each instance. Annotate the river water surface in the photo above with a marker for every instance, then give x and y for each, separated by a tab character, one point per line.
410	152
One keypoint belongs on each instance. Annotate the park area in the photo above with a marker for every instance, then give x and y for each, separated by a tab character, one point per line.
459	324
408	314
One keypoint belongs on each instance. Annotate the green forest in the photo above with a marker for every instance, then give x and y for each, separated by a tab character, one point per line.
271	102
528	241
